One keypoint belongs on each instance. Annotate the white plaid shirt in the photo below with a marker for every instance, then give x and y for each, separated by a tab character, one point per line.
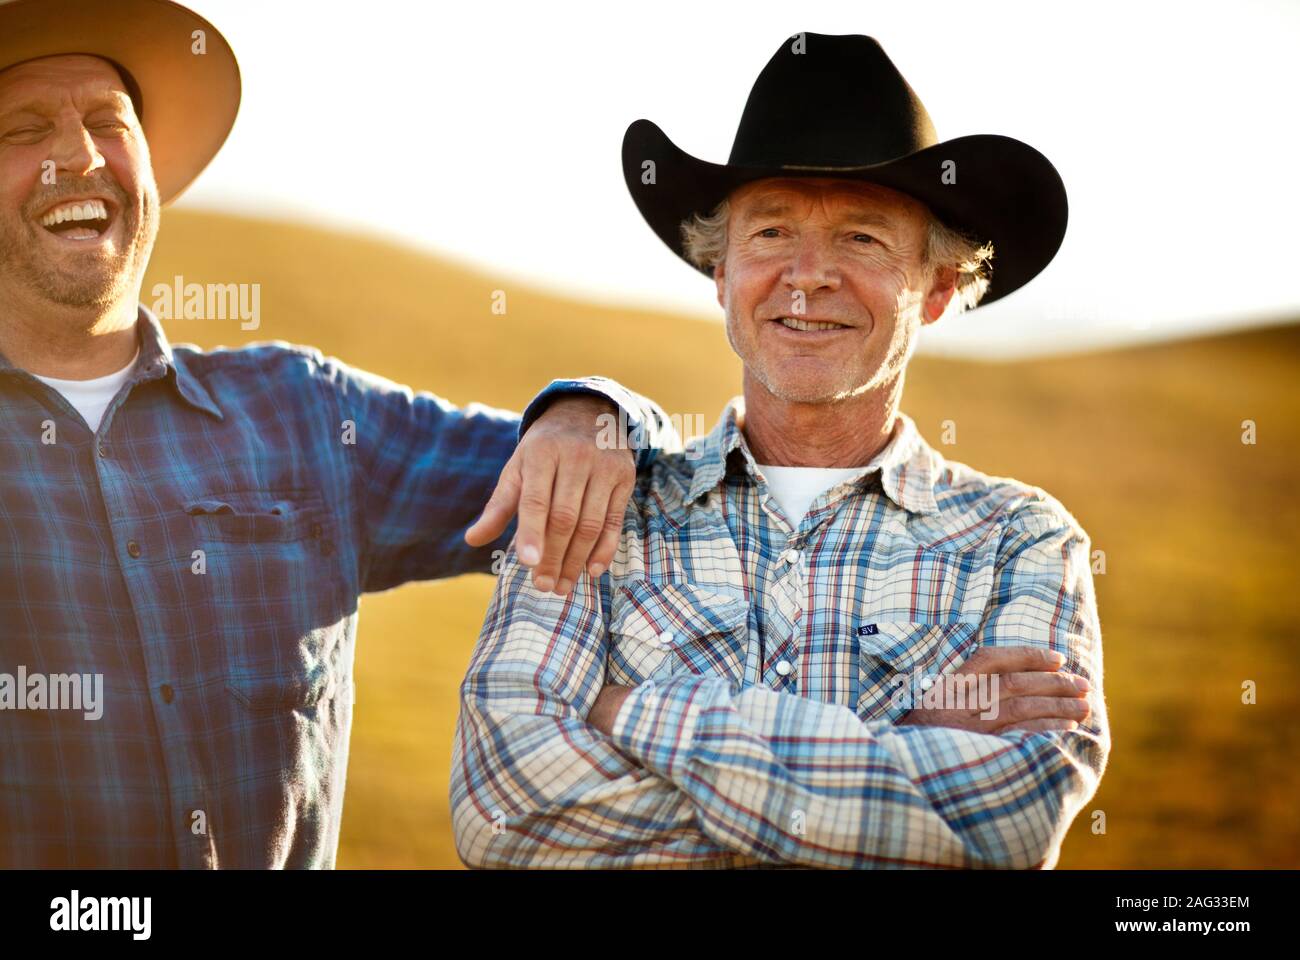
766	662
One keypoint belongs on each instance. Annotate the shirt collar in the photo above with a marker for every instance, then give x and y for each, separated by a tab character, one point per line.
155	359
157	356
908	466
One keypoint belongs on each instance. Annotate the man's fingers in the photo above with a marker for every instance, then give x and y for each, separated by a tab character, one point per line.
1040	683
1012	659
494	519
1041	726
537	478
591	523
568	483
1031	687
607	544
565	509
1034	708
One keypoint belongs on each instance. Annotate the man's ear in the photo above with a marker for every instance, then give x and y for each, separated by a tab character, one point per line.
943	286
720	281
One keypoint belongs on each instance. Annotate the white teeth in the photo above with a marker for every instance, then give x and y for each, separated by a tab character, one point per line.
796	324
88	210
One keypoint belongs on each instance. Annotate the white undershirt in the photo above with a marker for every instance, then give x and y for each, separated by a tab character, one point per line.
92	397
795	488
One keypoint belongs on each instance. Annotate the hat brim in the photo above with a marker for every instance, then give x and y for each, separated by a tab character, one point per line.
190	100
1006	193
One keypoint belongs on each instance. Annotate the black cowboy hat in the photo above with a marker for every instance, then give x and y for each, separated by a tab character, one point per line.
832	106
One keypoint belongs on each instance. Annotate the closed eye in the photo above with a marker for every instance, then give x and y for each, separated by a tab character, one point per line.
25	132
105	120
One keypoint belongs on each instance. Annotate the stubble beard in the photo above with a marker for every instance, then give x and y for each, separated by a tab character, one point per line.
93	280
839	385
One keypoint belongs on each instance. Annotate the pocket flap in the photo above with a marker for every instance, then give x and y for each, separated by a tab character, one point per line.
891	650
288	690
667	614
258	516
905	645
657	629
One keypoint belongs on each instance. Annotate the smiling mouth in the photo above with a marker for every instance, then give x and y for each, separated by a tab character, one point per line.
809	326
78	220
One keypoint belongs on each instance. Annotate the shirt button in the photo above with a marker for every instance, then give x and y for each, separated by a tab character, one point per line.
927	683
103	451
783	668
665	639
791	556
168	694
133	548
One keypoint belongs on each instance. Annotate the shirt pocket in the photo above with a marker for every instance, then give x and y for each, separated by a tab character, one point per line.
659	629
944	580
273	595
293	689
258	517
894	655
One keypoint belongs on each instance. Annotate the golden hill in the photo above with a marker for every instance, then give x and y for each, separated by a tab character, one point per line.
1199	530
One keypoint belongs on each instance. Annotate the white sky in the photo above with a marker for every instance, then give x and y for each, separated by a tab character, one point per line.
490	133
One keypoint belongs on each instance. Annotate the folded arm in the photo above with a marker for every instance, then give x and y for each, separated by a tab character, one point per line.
792	780
533	783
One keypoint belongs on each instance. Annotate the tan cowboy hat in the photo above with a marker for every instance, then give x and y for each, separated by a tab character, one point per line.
187	100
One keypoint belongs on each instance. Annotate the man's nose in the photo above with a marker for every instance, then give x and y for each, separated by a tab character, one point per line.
74	151
812	266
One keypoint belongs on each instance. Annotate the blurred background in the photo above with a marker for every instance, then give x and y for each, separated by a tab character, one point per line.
390	173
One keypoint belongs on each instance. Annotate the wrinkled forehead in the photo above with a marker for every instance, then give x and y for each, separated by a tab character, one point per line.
806	196
44	84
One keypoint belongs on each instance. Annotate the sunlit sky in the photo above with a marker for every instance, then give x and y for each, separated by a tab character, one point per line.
490	133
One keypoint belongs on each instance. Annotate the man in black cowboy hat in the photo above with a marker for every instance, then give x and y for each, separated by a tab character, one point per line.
184	535
820	643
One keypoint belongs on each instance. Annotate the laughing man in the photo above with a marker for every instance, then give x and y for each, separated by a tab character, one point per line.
196	528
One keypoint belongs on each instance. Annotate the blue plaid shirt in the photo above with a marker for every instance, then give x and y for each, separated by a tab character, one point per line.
203	551
771	662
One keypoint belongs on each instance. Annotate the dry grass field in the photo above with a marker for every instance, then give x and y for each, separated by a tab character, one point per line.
1200	531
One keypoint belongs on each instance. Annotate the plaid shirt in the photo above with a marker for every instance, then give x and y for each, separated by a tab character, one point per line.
767	662
204	552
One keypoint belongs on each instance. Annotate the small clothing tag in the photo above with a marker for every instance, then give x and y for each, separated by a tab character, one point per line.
868	630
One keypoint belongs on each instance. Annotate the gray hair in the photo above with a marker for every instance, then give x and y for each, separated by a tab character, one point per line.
704	239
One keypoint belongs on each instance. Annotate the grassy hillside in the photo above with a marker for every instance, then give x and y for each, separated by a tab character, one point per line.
1200	531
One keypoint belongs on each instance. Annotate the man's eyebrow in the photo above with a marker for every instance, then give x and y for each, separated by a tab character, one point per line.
867	217
96	100
769	208
29	106
110	98
861	215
